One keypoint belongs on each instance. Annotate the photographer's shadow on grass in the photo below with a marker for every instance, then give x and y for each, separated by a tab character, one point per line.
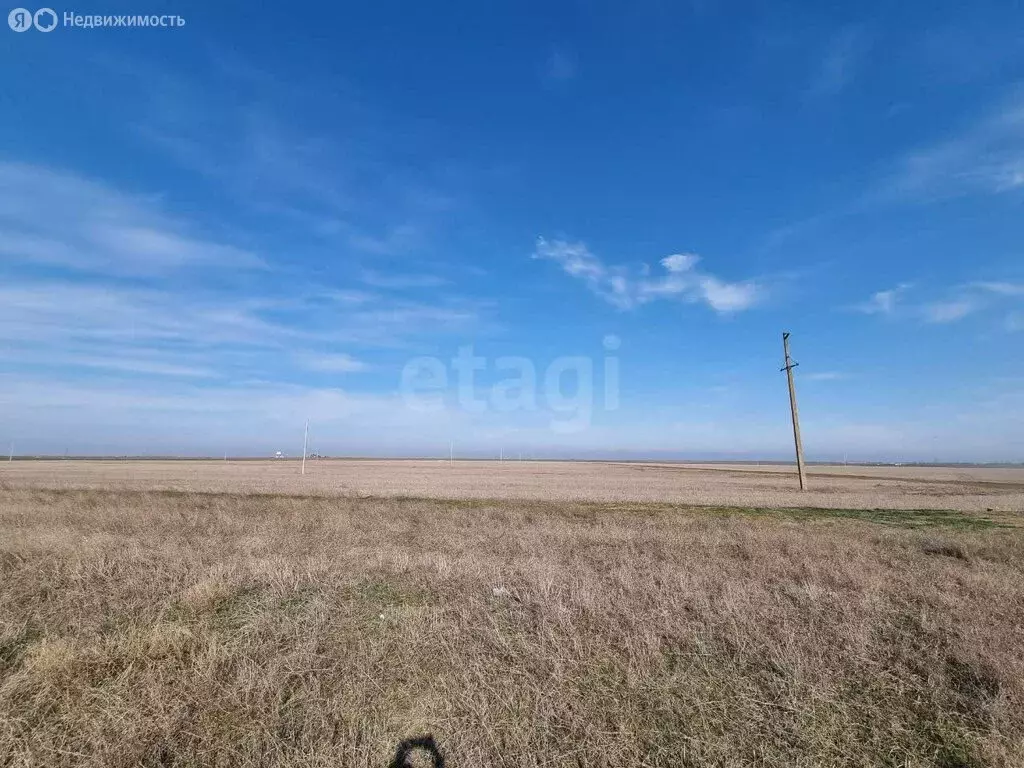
419	744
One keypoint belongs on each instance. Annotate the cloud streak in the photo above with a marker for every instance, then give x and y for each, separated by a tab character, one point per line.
559	67
839	64
338	184
1000	288
339	363
960	302
883	302
401	281
96	281
987	158
824	376
949	311
680	279
55	218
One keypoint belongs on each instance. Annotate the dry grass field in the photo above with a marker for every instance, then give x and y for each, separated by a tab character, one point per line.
609	625
976	490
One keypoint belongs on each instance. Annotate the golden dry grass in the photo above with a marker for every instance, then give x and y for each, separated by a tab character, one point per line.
978	489
187	629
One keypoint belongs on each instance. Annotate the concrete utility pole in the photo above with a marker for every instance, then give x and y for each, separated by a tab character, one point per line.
305	441
788	368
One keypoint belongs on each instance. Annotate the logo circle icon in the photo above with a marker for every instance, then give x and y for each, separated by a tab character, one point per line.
45	20
20	19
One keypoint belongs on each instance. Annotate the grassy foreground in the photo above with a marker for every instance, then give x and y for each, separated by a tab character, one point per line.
176	629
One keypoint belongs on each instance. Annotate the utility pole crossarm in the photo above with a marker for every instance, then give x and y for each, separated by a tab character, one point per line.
790	365
788	368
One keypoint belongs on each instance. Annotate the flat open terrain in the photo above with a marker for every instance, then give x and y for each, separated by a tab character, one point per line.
610	625
978	490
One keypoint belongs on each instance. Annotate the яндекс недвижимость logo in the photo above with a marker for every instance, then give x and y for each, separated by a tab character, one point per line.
46	20
22	19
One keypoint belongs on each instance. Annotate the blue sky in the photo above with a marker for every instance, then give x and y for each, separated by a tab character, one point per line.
210	233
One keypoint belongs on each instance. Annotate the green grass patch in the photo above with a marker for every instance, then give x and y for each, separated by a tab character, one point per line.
382	593
13	646
900	518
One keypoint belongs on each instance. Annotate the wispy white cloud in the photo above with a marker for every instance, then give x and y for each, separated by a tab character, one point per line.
401	281
610	283
1000	288
244	130
51	217
350	296
392	241
971	298
559	67
411	318
957	303
253	417
824	376
103	318
883	302
838	65
338	363
987	158
136	361
680	279
728	297
950	311
53	310
94	278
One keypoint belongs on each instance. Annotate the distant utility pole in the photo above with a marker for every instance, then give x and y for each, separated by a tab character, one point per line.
451	452
305	441
11	457
788	368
